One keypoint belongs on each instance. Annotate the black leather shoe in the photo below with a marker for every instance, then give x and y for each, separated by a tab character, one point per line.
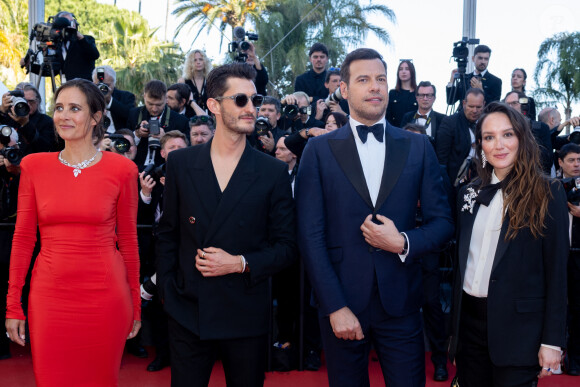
440	374
158	364
312	361
136	350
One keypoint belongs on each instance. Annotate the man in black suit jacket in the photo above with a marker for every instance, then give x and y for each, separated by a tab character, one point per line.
312	81
457	134
426	93
480	78
228	225
155	109
80	54
119	102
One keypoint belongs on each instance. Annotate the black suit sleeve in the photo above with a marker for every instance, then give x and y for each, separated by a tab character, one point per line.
89	48
493	89
261	80
408	117
444	144
300	84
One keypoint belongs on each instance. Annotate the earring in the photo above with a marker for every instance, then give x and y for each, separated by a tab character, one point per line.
483	159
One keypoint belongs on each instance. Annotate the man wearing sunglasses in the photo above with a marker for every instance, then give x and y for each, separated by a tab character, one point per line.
227	226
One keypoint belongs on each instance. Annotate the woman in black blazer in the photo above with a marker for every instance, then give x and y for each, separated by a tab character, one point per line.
402	98
509	307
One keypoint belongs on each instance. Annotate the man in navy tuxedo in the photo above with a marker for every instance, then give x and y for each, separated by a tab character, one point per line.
357	191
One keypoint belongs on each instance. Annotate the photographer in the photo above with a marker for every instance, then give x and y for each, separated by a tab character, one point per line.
178	96
551	117
35	129
78	52
261	73
119	102
152	121
297	113
121	142
201	129
569	161
334	101
150	208
266	135
480	78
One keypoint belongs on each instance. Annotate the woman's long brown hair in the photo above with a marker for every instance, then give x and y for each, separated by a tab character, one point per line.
527	193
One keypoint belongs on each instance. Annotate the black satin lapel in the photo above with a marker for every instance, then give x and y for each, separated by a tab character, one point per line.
203	179
242	179
467	221
502	245
396	154
346	154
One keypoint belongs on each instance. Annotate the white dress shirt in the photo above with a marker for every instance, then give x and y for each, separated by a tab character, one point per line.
423	121
111	129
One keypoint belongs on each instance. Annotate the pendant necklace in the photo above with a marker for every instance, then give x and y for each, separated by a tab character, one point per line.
77	167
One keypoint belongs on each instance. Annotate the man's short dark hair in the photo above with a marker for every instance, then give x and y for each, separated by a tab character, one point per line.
125	132
272	101
330	73
416	128
182	90
426	84
318	47
217	79
482	48
358	54
475	91
520	94
567	149
155	89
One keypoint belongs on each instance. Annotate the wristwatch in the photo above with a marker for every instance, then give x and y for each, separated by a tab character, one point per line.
307	132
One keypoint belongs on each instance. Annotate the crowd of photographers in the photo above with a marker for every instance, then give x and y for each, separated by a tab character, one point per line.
176	116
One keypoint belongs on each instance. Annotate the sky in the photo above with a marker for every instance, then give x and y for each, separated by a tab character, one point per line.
425	31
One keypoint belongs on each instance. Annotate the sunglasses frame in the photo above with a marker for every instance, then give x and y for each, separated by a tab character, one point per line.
240	95
202	119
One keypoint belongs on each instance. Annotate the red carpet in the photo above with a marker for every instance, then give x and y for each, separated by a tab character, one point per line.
17	372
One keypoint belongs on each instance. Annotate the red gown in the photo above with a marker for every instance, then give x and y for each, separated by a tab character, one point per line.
84	292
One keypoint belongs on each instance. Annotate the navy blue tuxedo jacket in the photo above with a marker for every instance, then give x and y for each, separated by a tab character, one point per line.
333	201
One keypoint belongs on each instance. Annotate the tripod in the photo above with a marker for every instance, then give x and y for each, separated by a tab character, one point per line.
458	83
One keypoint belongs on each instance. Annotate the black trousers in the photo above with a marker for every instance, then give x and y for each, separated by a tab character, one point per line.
192	359
474	366
433	317
574	310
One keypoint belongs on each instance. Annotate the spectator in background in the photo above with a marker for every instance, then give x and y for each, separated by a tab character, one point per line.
178	96
261	72
402	98
325	106
425	115
271	110
197	67
480	78
119	102
334	121
551	117
312	81
201	129
519	77
155	109
35	130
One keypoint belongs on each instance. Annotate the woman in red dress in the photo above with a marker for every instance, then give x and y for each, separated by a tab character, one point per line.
84	296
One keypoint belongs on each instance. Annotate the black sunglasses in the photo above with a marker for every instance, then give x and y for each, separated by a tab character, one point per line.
241	99
202	119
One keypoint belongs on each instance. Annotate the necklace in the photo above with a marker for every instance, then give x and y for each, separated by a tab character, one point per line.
79	166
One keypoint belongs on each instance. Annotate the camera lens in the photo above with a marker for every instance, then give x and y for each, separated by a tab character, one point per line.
104	88
5	130
262	126
21	108
291	111
154	143
245	46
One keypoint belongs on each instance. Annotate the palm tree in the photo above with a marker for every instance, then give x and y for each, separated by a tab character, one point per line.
233	13
13	38
558	64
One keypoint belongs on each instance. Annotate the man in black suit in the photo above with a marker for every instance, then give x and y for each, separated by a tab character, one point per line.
119	102
312	81
227	225
155	109
177	98
456	135
480	78
426	93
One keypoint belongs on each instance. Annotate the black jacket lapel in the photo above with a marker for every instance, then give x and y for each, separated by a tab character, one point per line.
502	245
396	154
346	154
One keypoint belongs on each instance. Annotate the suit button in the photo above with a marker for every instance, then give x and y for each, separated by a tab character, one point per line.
191	220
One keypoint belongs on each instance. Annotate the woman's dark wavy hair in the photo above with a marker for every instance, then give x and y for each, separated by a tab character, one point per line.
413	76
527	192
95	100
340	119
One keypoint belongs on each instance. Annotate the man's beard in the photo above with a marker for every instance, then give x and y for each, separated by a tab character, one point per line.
236	125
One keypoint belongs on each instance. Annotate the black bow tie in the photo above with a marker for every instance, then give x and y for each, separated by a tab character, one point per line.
377	130
417	115
487	193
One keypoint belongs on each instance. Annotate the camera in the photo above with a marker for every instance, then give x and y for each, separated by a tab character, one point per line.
19	104
101	78
292	111
106	122
5	133
153	126
262	126
524	106
119	143
12	154
572	189
461	53
156	173
240	45
334	97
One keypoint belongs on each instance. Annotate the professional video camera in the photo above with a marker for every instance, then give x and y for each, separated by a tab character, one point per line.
156	173
572	188
262	126
334	97
46	39
11	153
461	53
292	111
101	78
240	45
119	143
19	104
